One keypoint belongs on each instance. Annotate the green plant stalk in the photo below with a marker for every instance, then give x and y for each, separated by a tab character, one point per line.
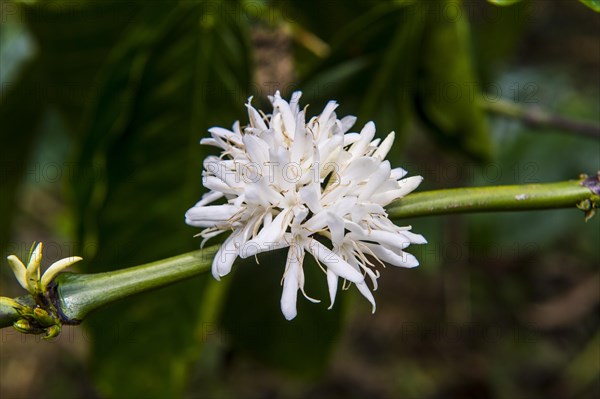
538	118
492	199
79	294
76	295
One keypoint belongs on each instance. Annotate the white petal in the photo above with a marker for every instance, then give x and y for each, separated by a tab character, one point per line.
276	124
332	283
327	112
275	230
347	123
311	196
398	173
228	171
413	237
294	102
317	222
366	135
360	169
213	142
300	251
56	268
289	295
351	138
256	119
328	149
386	238
375	143
18	269
410	183
299	146
333	261
264	193
336	227
269	235
300	214
385	147
387	197
279	159
364	289
219	132
381	174
257	149
225	256
289	121
207	216
253	247
343	206
207	235
32	272
216	185
209	197
406	186
400	258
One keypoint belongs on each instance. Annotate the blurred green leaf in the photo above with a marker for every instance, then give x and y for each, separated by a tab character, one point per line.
372	65
330	17
21	112
139	170
496	38
504	2
253	318
448	91
593	4
398	55
73	40
394	72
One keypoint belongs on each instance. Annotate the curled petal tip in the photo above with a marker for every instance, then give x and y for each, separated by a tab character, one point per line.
18	269
288	308
56	268
15	262
35	258
216	276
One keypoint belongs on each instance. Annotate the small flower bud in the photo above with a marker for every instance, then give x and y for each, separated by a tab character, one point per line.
43	317
22	326
52	331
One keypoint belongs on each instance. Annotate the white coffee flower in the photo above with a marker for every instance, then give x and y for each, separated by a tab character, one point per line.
288	183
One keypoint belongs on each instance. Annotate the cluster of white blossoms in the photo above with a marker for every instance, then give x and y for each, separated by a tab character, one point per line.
282	182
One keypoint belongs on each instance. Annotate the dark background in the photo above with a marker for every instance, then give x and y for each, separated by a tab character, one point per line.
102	105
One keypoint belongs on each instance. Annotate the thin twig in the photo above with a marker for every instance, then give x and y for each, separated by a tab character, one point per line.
536	117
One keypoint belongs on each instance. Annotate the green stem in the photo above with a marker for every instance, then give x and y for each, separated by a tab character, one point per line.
8	314
79	294
492	199
76	295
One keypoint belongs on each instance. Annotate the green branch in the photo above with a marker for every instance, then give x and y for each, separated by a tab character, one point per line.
493	199
538	118
71	297
74	296
79	294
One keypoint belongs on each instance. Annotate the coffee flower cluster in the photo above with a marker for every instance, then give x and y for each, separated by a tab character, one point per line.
309	186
